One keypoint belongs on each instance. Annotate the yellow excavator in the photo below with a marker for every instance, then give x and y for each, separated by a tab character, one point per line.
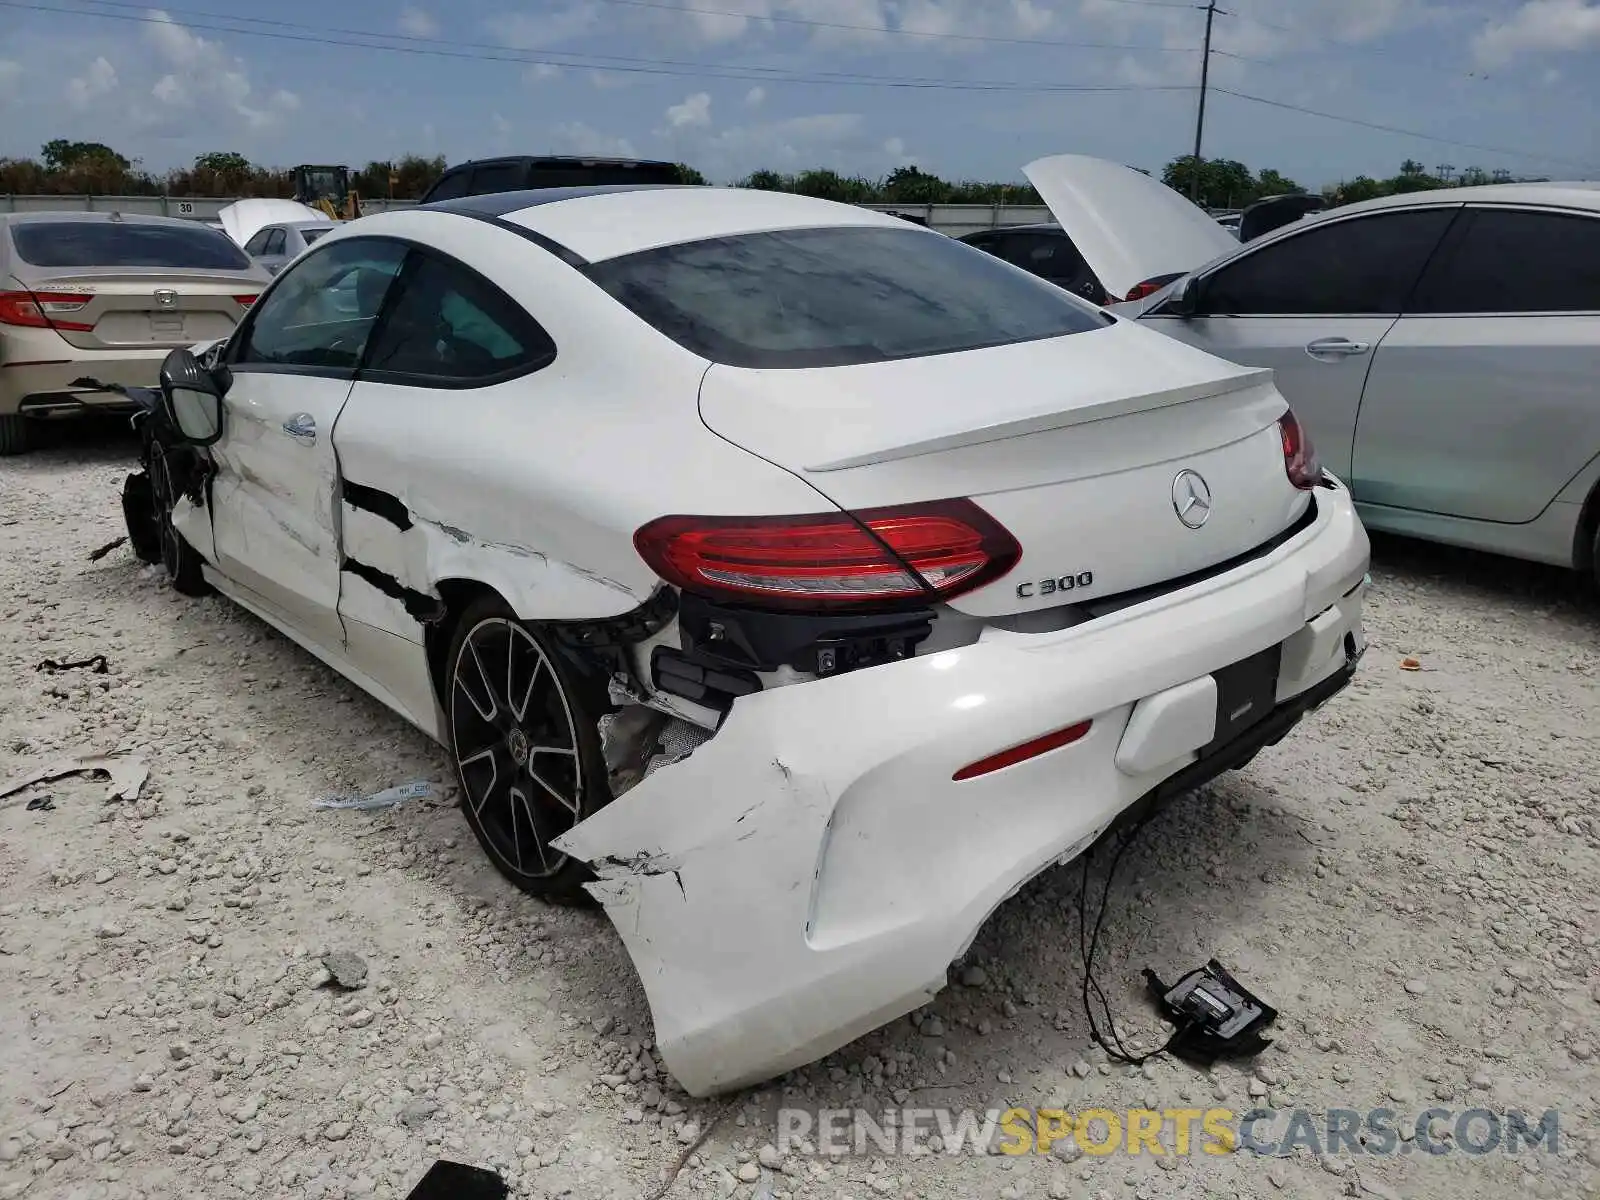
327	189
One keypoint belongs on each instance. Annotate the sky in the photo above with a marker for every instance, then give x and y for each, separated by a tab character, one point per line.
967	89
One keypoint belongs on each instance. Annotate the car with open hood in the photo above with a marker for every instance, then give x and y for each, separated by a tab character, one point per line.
671	513
1441	347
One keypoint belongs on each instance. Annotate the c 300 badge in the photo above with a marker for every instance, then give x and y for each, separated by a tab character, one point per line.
1049	587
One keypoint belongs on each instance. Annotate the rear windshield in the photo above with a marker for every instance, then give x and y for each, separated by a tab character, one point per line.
115	244
312	234
829	297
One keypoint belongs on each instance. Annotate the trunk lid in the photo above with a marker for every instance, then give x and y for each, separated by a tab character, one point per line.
145	309
243	219
1128	226
1074	444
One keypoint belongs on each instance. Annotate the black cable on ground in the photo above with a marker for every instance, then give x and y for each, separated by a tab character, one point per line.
1088	946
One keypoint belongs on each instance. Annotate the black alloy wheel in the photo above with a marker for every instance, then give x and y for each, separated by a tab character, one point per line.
526	749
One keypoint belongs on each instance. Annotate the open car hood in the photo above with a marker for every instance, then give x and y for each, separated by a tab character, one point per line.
1128	226
242	219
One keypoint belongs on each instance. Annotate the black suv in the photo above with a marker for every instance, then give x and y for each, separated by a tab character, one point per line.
524	171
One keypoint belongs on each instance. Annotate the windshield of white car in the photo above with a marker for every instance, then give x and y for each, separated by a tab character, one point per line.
125	244
838	295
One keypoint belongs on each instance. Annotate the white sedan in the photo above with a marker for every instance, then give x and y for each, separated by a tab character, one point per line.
796	581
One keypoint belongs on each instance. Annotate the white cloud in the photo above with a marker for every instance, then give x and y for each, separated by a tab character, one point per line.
575	137
694	112
1540	26
755	97
500	124
203	75
541	73
99	80
895	148
417	23
530	31
10	76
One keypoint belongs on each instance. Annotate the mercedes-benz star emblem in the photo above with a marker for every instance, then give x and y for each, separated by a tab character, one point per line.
1191	498
166	298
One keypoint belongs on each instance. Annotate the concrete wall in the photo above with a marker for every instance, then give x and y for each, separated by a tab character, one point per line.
954	219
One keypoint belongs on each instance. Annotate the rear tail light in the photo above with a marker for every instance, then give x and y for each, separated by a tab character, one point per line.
1140	290
43	310
1016	754
832	560
1300	460
245	301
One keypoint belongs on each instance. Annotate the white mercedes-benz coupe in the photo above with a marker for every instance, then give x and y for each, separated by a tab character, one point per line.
796	581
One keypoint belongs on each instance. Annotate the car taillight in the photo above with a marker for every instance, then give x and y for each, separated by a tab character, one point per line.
1300	460
245	301
42	310
831	560
1148	288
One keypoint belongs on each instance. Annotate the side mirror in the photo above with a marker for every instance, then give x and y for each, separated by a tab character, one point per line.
191	398
1186	301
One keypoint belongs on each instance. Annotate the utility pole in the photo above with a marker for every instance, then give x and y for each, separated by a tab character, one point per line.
1200	119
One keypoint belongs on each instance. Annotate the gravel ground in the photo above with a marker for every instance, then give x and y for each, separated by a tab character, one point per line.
1413	878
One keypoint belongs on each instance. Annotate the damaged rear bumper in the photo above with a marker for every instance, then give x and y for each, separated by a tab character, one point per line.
810	872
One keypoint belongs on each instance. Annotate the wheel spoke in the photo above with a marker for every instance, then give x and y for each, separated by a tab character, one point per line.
566	750
493	710
521	711
519	799
570	805
487	753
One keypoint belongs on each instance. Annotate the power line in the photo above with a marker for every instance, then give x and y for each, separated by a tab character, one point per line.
641	66
1426	137
710	12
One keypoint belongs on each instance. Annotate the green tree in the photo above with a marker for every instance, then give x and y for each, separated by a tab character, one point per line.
910	185
688	174
1270	183
1224	182
765	181
59	154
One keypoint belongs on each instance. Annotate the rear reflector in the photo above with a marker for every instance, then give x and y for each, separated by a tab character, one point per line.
42	310
1011	757
831	560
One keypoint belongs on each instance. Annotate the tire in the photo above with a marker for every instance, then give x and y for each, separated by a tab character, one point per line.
525	779
16	434
182	563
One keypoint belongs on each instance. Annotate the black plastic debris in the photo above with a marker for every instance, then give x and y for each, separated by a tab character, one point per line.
1216	1015
97	555
41	804
97	664
456	1181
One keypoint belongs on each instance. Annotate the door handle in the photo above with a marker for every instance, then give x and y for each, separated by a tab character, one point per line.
1336	347
302	427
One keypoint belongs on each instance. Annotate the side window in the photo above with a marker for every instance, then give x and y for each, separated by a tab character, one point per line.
275	242
450	326
450	186
1510	261
258	243
499	177
320	312
1366	265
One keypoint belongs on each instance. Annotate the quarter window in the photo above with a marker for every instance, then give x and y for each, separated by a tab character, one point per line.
320	313
1361	266
275	242
258	243
1509	261
449	325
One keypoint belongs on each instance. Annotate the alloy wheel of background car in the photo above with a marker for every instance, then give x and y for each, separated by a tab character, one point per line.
177	556
526	751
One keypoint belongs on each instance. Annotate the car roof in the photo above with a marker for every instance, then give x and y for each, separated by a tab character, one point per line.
561	160
607	221
1579	194
29	218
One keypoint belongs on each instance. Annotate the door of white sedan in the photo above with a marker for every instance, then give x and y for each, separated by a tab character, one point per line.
1314	305
274	525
